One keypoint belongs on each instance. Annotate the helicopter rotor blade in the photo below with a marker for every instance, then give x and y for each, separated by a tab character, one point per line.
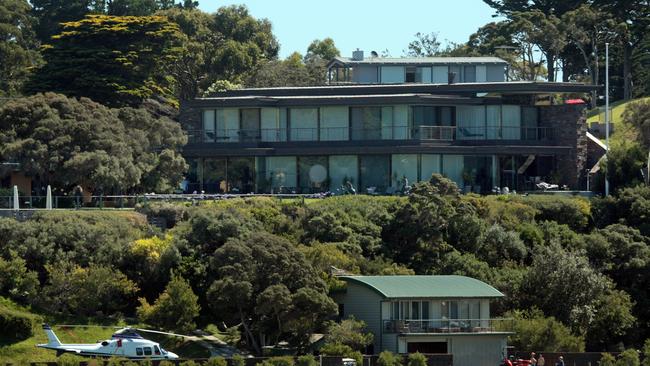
164	333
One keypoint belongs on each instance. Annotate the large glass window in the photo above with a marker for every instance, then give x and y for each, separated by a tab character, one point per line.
304	124
241	175
430	164
405	170
375	173
193	178
511	122
214	175
471	122
452	168
470	74
392	74
401	130
529	123
478	173
281	173
343	169
493	122
250	124
273	124
312	174
227	125
334	124
366	123
208	125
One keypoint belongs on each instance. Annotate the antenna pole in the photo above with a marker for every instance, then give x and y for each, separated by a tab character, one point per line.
606	116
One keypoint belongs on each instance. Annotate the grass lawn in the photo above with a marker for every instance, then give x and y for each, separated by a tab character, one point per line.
617	111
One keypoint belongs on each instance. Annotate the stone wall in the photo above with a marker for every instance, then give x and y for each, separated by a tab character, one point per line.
569	125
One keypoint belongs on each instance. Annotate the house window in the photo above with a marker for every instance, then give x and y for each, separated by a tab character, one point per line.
470	74
410	74
415	310
425	310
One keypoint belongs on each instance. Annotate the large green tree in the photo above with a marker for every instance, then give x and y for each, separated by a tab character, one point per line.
18	46
66	141
253	271
112	60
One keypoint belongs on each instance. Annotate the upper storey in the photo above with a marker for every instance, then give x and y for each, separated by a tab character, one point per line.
360	69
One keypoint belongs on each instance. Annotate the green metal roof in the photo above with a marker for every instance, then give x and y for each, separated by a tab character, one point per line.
426	286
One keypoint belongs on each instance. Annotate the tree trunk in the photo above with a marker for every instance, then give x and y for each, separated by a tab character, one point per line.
627	74
249	335
550	67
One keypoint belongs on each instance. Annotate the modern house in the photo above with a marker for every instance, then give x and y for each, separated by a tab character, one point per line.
378	134
428	314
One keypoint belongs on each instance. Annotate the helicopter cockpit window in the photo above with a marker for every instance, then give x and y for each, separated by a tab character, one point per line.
147	351
156	350
138	351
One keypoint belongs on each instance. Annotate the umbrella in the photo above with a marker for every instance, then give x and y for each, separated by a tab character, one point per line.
48	200
16	202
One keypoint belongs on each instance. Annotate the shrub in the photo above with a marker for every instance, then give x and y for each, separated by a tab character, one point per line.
306	360
16	325
174	309
388	358
607	359
417	359
629	357
279	361
534	331
574	212
189	363
171	212
217	361
238	360
338	349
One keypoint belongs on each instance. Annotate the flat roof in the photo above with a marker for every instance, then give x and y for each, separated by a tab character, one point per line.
506	87
448	286
418	60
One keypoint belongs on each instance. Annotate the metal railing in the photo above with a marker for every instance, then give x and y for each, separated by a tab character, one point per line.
423	133
448	326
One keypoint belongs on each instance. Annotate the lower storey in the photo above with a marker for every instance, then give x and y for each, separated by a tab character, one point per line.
372	173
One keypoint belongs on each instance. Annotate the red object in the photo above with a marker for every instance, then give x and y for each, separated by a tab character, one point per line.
574	101
119	343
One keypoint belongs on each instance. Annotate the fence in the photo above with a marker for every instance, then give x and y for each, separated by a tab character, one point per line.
368	360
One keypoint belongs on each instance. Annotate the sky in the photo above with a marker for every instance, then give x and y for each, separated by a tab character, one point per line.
365	24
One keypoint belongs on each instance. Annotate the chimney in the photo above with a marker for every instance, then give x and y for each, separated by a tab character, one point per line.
357	55
451	77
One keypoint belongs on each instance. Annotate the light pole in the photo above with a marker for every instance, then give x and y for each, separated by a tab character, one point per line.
606	117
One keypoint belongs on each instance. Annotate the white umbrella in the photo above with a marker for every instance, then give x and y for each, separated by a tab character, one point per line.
48	199
16	202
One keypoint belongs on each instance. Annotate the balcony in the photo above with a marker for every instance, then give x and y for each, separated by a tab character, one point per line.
445	326
393	133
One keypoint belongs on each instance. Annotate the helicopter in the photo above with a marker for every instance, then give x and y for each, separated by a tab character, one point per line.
126	342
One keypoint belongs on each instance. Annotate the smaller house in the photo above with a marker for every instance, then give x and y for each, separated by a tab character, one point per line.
428	314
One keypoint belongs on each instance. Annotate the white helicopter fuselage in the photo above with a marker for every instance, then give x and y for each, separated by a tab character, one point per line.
130	348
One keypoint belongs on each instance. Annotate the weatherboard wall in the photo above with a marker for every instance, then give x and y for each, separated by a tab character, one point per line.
364	304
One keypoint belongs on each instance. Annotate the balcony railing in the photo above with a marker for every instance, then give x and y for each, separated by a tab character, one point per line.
448	326
422	133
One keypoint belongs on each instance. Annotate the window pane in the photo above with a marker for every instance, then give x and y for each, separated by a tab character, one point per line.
395	305
281	173
272	129
425	310
250	124
312	174
415	310
430	163
241	175
453	310
366	123
392	74
471	122
470	74
304	124
228	124
410	74
334	124
387	131
138	351
208	126
147	351
214	175
511	122
343	168
452	168
375	173
404	166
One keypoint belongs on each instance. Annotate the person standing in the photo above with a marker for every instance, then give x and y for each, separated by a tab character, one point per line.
560	361
78	196
540	360
533	360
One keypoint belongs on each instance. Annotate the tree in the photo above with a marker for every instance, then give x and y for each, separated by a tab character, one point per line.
175	309
424	45
50	14
259	267
113	60
388	358
324	49
18	46
16	281
350	332
534	331
64	142
637	114
500	246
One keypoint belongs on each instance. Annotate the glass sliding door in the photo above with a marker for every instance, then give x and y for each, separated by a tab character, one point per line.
281	173
312	174
227	125
334	124
209	125
375	173
214	175
470	120
241	175
405	170
429	164
343	169
304	124
401	129
250	124
511	122
452	168
366	123
273	127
